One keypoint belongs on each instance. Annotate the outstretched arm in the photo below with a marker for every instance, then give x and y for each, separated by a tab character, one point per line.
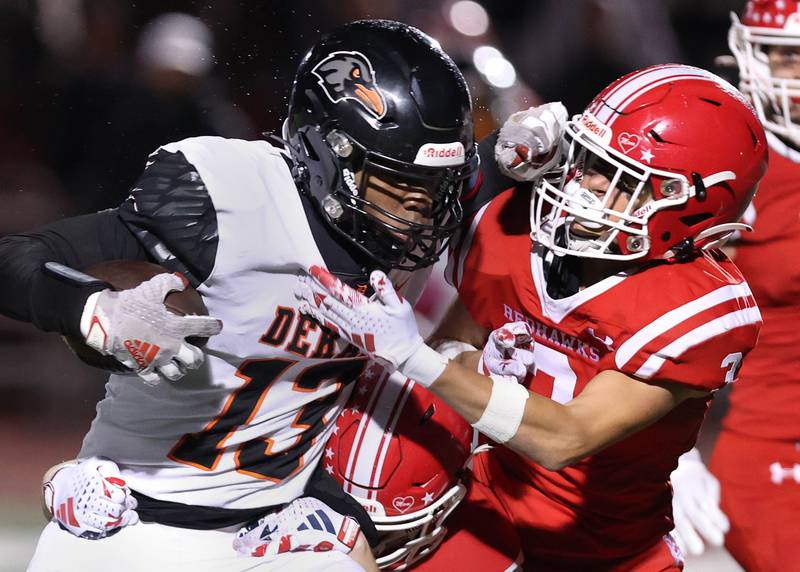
611	407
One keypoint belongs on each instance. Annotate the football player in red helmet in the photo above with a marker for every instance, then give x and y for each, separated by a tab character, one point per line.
765	42
399	451
634	320
760	497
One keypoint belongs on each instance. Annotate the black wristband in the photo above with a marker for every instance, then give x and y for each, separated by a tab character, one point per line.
69	289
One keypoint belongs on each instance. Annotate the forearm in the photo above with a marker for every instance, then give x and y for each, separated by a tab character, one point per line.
469	359
29	293
611	407
549	433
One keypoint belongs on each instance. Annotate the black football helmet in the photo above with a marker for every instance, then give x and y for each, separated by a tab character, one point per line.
381	98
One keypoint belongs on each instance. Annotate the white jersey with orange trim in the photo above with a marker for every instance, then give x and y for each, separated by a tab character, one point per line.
689	323
248	428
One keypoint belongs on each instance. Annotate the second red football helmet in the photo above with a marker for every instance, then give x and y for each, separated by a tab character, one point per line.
684	145
399	451
767	25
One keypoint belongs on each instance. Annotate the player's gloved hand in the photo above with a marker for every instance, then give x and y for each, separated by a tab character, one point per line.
90	499
135	327
695	505
528	142
305	524
508	351
384	328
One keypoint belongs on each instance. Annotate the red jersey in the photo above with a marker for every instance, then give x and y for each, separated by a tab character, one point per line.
766	403
688	323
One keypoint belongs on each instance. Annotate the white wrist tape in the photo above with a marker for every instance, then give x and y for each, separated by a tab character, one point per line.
503	414
424	366
451	348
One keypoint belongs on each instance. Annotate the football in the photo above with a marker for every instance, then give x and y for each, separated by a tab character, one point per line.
123	275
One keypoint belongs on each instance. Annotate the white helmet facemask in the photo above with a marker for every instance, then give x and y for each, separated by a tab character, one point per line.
569	219
406	539
572	220
773	98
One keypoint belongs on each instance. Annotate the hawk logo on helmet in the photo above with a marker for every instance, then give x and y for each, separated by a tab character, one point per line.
349	75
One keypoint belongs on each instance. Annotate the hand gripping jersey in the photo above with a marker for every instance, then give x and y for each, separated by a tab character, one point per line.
248	428
690	323
765	403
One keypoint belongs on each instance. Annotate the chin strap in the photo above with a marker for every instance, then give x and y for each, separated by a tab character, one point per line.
725	230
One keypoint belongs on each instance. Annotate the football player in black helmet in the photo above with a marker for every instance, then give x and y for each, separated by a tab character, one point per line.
378	145
381	133
377	148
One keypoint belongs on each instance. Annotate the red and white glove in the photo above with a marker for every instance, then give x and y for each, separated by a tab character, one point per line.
90	499
384	328
695	505
508	351
306	524
135	327
528	142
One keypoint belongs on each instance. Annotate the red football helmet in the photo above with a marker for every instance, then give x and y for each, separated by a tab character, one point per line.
766	25
399	451
683	145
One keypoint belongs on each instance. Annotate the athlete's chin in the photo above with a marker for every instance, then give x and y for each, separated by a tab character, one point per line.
580	231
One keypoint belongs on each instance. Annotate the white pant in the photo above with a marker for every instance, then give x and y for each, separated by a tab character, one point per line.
150	547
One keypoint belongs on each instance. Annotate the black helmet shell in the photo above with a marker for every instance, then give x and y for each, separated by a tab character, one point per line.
381	97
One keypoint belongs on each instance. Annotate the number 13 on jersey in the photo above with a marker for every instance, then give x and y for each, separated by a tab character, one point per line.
264	457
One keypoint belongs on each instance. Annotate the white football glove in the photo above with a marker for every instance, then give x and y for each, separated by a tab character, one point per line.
528	142
695	505
384	328
508	351
90	499
135	327
305	524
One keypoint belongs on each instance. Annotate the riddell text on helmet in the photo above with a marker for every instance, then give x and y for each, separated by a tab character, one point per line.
447	152
594	126
440	154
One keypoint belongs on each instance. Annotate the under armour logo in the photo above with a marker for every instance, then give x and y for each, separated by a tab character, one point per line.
607	341
778	473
